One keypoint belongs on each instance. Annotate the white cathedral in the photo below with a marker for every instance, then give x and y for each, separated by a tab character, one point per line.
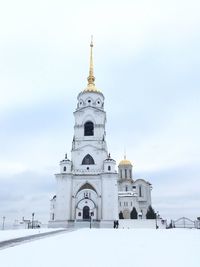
88	185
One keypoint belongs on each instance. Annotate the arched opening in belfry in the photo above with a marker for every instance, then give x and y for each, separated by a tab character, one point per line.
89	128
88	160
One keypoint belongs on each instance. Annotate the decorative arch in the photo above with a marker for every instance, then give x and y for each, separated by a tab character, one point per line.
86	186
89	128
88	160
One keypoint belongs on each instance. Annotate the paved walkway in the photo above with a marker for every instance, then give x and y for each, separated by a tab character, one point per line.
20	240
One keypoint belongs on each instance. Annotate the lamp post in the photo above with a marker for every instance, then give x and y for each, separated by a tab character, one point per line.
33	219
90	221
3	224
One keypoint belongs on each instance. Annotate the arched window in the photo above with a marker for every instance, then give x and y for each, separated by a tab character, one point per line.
88	160
64	169
89	128
109	168
125	173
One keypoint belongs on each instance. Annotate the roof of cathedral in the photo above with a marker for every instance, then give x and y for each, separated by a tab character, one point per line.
125	162
91	85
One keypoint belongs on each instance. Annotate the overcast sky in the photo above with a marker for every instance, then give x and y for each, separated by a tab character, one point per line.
146	58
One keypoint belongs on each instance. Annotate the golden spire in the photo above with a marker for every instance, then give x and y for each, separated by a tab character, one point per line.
91	78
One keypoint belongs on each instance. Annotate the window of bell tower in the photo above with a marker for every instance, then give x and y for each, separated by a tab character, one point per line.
89	128
88	160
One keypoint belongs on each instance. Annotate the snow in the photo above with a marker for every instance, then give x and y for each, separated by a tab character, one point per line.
11	234
109	248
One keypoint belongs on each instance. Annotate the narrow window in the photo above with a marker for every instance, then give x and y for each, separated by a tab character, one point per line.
53	217
121	173
64	169
140	191
89	128
126	187
109	168
125	173
88	160
130	174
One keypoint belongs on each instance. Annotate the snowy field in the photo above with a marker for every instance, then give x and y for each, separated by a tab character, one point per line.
109	248
10	234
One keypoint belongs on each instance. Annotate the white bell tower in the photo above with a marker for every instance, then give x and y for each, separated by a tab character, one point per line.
87	185
89	148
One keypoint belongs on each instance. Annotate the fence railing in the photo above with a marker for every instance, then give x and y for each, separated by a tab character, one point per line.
184	222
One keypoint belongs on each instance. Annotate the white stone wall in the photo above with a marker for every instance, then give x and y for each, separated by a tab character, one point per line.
126	205
63	199
109	197
141	224
141	198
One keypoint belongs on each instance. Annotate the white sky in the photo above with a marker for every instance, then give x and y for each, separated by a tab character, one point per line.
146	63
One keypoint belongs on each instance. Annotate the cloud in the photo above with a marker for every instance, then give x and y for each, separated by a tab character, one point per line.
24	193
146	59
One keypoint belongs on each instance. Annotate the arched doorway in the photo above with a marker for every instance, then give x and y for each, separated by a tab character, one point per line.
86	213
126	214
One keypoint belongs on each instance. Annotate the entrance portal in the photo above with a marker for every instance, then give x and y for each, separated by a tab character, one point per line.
86	213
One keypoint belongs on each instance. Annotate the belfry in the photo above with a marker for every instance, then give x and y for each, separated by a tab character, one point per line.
88	185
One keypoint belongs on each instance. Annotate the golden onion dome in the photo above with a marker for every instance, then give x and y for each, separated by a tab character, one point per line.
125	162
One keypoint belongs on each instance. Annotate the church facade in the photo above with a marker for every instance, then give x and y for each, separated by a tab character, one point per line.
88	185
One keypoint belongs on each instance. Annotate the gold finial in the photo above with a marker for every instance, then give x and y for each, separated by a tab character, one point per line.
91	77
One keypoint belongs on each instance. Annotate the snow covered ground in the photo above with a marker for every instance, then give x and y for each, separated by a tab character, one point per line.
10	234
109	248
